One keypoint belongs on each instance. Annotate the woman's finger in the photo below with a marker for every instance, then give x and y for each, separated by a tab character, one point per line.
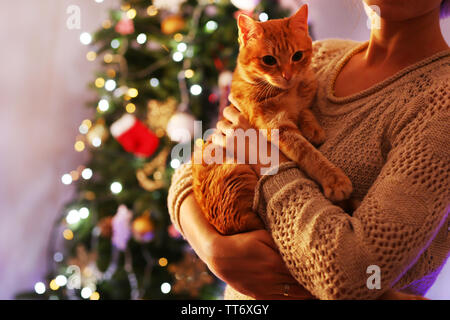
196	228
233	101
209	138
264	237
232	114
219	139
224	126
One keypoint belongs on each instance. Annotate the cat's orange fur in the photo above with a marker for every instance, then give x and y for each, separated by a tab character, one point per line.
271	97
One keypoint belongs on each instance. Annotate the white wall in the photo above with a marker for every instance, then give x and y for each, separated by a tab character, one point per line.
43	81
342	19
43	85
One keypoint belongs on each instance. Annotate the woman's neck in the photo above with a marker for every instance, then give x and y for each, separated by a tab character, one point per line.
405	42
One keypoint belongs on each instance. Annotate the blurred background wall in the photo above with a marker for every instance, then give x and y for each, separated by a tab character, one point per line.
43	85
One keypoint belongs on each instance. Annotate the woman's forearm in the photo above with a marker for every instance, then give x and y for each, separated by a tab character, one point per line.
200	234
247	261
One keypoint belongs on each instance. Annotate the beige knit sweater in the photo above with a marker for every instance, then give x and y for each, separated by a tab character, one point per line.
393	141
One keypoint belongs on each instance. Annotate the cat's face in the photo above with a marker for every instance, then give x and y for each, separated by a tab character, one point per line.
276	51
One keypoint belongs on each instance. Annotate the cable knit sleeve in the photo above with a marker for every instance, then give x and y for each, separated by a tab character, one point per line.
327	250
180	188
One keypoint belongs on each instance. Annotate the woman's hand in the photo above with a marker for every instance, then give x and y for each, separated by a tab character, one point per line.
248	262
225	136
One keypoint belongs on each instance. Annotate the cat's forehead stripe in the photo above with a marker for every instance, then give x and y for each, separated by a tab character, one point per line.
279	39
281	43
269	44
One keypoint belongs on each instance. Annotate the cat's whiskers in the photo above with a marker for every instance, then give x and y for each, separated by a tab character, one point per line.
262	94
261	85
269	92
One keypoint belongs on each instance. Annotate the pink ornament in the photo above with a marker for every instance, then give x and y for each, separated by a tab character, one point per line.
125	26
211	10
173	232
146	237
121	226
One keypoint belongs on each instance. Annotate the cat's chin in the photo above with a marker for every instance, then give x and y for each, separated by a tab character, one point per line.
280	85
283	85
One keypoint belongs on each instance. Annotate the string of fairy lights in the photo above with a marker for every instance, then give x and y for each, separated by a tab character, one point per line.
90	135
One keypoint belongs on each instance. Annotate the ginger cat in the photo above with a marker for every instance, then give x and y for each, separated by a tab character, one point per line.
275	86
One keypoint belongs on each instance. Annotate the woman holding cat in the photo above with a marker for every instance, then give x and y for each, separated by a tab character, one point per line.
384	105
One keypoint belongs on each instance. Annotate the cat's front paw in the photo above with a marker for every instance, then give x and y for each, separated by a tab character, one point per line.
315	135
337	187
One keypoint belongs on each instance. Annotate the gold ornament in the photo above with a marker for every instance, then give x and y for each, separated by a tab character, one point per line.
89	195
83	258
142	228
160	112
83	267
105	226
156	164
97	131
191	274
172	24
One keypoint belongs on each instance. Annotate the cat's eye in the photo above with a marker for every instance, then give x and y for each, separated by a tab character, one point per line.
297	56
269	60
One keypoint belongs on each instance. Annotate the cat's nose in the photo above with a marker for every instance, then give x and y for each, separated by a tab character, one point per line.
287	75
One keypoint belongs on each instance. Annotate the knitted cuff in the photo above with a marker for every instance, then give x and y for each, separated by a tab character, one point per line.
270	184
175	217
180	188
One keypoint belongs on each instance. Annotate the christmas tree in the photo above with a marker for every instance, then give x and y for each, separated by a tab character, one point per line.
165	63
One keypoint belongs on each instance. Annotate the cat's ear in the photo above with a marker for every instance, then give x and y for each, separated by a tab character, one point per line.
248	29
300	19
